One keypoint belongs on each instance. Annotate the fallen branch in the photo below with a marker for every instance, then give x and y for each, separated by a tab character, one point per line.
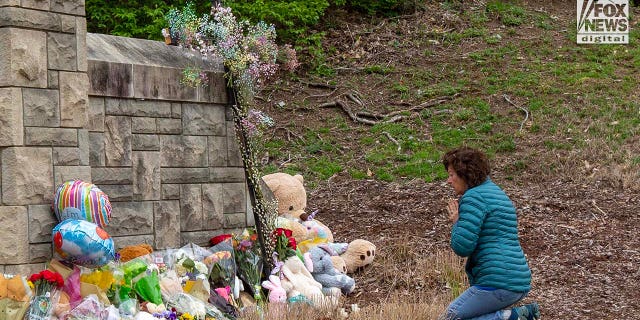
320	95
369	118
424	105
319	85
348	111
526	112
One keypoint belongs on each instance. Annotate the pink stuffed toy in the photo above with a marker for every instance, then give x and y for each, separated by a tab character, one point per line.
276	291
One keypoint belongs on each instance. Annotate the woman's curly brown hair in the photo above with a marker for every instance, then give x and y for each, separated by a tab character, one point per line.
469	164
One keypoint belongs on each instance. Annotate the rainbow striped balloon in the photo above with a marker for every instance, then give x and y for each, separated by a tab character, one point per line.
76	199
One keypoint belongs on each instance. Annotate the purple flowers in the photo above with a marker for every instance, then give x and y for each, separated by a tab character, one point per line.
249	51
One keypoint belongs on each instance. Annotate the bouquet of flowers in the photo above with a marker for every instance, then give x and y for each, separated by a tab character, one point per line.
286	245
223	266
249	262
46	289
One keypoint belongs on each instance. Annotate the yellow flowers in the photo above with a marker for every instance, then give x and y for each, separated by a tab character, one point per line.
102	279
186	316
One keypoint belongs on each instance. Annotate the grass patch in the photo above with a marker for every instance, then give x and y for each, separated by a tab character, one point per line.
508	13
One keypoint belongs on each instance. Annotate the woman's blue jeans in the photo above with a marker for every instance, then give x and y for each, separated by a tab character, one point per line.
479	304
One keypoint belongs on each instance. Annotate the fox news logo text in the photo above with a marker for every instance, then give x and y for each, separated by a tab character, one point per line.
603	21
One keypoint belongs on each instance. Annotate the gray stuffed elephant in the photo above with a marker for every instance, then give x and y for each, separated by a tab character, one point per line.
326	274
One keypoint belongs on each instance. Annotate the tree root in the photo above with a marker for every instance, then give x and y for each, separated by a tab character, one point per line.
370	118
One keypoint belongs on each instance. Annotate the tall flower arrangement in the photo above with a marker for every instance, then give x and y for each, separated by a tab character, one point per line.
250	55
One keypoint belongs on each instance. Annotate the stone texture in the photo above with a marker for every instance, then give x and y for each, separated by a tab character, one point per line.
75	7
199	119
217	151
184	175
67	23
27	176
251	221
66	173
25	268
176	110
169	126
53	82
73	99
11	114
9	3
110	79
118	192
57	137
117	142
170	191
234	157
112	175
23	57
147	53
191	218
97	156
131	218
30	19
146	175
14	247
235	220
40	252
36	4
200	238
81	43
227	174
124	241
83	146
145	142
143	125
234	197
183	151
138	108
66	156
212	206
154	82
62	51
216	90
41	107
96	114
166	215
41	222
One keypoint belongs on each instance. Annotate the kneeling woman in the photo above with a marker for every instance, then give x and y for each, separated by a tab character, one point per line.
485	230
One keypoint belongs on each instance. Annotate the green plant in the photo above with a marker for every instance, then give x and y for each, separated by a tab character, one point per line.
292	18
138	19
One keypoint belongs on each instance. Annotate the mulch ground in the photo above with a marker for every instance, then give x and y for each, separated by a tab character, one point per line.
581	240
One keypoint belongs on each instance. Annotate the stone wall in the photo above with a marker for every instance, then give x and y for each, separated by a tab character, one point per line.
109	110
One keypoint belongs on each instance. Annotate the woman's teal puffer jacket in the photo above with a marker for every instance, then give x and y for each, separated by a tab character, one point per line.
487	233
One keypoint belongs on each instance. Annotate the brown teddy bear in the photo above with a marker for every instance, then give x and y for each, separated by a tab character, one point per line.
131	252
359	253
292	203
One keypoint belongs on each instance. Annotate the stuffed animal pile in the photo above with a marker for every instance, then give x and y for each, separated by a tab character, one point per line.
327	276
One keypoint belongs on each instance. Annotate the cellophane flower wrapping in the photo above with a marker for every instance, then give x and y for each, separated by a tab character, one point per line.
184	302
89	309
223	266
148	288
46	291
249	262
